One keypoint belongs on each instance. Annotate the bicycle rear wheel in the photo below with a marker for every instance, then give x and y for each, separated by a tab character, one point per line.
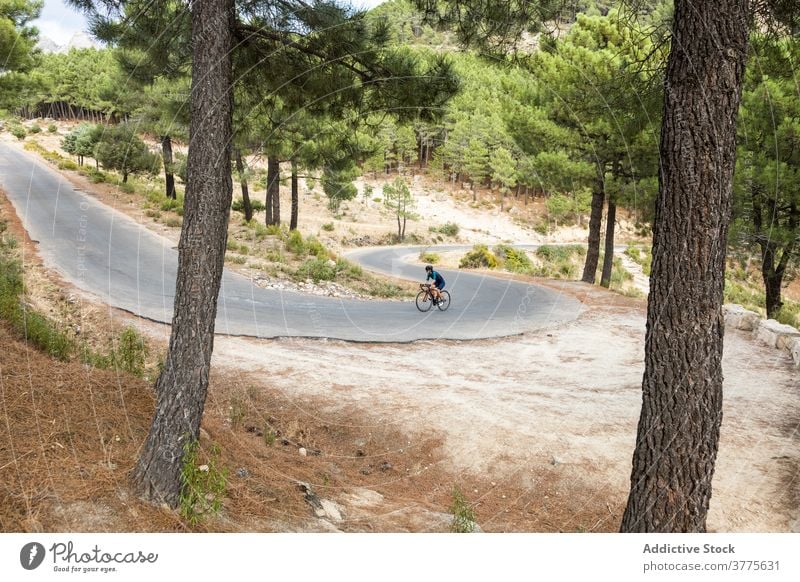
444	301
424	302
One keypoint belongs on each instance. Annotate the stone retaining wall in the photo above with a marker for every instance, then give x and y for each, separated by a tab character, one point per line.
768	331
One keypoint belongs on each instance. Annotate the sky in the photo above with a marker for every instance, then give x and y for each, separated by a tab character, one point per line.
59	22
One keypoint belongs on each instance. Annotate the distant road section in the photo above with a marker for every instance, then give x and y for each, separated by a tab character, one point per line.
106	253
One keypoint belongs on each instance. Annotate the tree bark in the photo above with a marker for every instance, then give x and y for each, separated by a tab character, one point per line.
295	197
166	153
678	434
182	386
608	256
248	207
595	220
273	191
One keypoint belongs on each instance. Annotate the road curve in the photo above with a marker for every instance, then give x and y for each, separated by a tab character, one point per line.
106	253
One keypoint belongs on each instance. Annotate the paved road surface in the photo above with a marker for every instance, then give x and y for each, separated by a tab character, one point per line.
105	253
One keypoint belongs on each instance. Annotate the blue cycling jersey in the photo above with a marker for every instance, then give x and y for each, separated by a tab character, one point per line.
438	280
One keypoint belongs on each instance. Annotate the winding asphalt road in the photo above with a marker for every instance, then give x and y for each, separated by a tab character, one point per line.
104	252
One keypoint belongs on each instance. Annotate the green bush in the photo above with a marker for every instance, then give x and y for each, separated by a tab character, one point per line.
559	252
18	131
479	256
514	260
260	231
559	262
318	270
256	205
315	248
168	204
28	324
34	129
97	176
328	227
641	255
52	128
789	314
431	258
295	244
463	514
384	289
67	165
202	484
43	333
447	229
130	352
352	270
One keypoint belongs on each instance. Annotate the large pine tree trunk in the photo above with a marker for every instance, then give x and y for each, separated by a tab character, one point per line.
608	256
678	434
166	153
182	386
295	198
273	201
593	252
248	207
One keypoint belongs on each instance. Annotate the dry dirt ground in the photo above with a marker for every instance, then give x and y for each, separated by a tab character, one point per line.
537	430
547	421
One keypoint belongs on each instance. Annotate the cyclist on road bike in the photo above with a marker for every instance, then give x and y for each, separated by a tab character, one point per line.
438	282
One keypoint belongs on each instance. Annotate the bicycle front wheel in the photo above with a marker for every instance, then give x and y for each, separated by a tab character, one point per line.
424	302
444	301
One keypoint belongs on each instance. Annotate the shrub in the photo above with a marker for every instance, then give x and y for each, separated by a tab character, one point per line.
295	244
131	352
559	262
97	176
447	229
67	165
385	290
789	314
168	204
18	131
642	256
515	260
256	205
479	256
463	514
260	231
559	252
35	128
315	248
34	327
318	270
431	258
202	484
173	221
328	226
52	128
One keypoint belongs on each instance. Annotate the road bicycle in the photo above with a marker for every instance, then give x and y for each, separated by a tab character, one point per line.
425	299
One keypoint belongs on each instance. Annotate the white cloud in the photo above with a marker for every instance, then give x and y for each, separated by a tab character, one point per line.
56	31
